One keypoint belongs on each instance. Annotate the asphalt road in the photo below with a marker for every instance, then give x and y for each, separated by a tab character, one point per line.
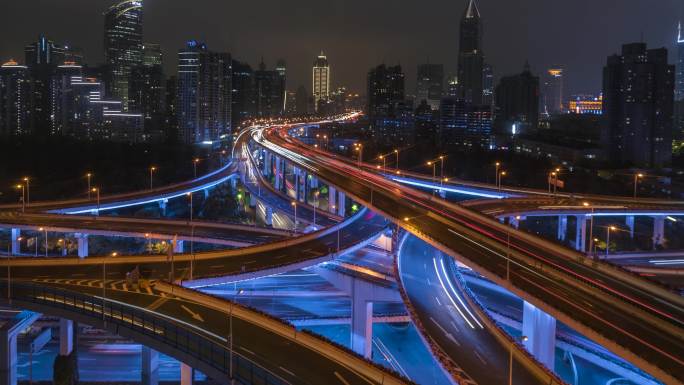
633	317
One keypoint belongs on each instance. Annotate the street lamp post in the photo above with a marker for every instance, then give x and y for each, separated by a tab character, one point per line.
97	194
191	205
152	170
396	152
294	204
23	197
608	230
591	228
510	360
501	175
88	176
194	166
314	207
46	240
496	174
636	183
104	283
441	164
28	191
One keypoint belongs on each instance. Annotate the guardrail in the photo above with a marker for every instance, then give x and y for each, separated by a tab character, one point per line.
212	351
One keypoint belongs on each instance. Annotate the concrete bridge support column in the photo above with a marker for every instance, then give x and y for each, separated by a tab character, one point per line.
581	233
362	322
179	246
658	231
332	199
252	200
150	367
629	221
279	173
162	206
267	163
297	182
187	374
562	227
269	216
82	240
514	222
540	330
66	337
342	204
16	246
8	358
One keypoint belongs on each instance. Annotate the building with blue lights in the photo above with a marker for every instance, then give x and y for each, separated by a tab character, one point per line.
15	99
679	86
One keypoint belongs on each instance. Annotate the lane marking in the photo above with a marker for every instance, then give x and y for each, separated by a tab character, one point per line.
339	377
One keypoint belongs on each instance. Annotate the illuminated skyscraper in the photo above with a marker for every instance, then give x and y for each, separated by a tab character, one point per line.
152	54
679	86
15	96
552	92
321	80
638	95
123	42
470	56
430	84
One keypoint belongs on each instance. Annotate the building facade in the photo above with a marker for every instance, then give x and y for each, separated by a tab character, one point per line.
204	94
390	115
517	104
471	56
321	80
269	91
430	84
552	100
638	104
123	43
15	99
679	87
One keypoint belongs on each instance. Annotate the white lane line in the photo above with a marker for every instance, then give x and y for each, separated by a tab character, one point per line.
339	377
480	357
248	351
287	371
438	303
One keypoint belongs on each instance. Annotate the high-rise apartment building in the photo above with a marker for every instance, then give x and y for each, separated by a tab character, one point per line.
204	94
517	103
430	84
638	101
15	99
679	87
471	56
269	90
389	114
321	80
243	92
152	55
123	43
488	86
552	100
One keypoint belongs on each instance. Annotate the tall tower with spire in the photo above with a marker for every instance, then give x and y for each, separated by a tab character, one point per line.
470	55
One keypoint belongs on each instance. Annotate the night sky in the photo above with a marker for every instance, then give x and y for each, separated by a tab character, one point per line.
358	34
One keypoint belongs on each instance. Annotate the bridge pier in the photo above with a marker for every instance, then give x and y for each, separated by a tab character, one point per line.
361	323
269	216
162	206
332	199
278	173
16	245
267	163
179	246
342	204
562	227
581	233
658	231
629	221
8	345
252	200
540	330
515	222
187	374
82	240
150	366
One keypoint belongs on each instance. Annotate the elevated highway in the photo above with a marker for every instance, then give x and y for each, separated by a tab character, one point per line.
635	318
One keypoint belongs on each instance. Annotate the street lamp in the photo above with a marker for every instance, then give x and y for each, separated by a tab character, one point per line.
316	194
194	166
441	161
46	241
97	191
88	176
23	198
359	148
496	174
510	359
396	152
104	282
152	170
608	230
384	162
636	182
294	204
501	175
191	205
28	190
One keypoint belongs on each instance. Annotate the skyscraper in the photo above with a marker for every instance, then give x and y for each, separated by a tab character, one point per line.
243	92
15	96
123	43
388	111
552	100
152	54
42	58
321	80
679	87
204	94
517	103
430	84
44	51
488	86
638	96
470	55
269	90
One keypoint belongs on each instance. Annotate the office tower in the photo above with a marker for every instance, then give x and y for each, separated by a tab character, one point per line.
152	54
679	88
585	105
638	104
147	96
426	123
321	80
15	99
281	70
452	89
62	111
302	101
430	84
269	91
44	51
552	100
171	108
517	103
243	104
388	111
464	124
470	56
488	86
204	94
123	43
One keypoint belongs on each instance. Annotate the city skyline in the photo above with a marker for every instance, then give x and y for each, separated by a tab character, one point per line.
578	42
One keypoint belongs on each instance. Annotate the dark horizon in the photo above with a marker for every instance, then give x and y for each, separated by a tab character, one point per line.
357	36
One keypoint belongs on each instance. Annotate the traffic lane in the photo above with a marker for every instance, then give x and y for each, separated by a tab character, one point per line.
456	331
286	358
131	225
161	267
